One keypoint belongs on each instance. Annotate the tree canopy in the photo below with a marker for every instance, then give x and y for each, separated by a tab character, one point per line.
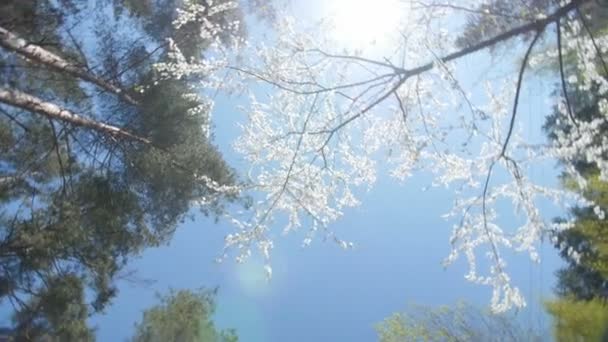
576	320
579	312
182	316
461	322
93	169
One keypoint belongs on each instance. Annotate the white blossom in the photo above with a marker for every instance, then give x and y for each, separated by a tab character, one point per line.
330	121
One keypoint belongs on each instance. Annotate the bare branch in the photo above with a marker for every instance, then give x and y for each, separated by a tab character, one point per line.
58	153
561	71
524	64
468	10
597	49
535	26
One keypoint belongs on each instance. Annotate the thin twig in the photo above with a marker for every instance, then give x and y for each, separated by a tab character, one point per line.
561	72
504	148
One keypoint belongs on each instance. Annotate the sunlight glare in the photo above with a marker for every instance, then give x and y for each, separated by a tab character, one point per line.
361	22
252	279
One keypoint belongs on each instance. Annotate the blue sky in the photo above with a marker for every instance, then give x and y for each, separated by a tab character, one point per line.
324	293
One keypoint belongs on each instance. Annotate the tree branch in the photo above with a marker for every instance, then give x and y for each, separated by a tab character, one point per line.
34	104
537	26
37	54
503	151
485	12
561	72
597	49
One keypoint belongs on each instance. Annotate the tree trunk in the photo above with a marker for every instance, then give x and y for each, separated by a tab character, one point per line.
34	104
37	54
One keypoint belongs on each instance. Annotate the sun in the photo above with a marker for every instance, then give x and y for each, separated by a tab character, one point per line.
362	22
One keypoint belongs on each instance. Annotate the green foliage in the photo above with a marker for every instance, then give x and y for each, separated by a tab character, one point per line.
57	311
592	229
85	236
182	316
579	320
462	322
34	18
41	22
167	172
584	278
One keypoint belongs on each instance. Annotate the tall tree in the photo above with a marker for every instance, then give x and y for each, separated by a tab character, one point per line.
584	246
462	322
182	316
576	320
580	312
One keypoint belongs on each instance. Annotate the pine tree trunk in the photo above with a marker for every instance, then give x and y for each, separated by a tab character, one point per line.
34	104
37	54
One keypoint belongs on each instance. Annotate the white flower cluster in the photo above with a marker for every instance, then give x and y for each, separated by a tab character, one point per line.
192	11
220	32
584	140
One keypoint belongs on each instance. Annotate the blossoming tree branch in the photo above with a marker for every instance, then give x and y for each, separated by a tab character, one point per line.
334	117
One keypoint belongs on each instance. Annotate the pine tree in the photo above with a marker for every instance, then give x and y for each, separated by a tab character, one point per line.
579	320
100	157
182	316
